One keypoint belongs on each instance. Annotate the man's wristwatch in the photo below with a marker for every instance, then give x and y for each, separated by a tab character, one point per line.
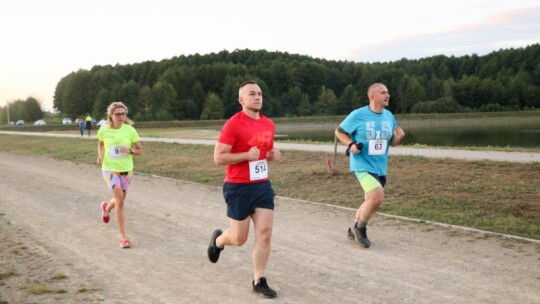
131	151
359	146
348	150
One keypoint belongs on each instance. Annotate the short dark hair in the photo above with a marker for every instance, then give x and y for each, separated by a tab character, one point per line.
246	83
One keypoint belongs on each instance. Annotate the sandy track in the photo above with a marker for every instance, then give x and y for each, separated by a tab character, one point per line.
52	208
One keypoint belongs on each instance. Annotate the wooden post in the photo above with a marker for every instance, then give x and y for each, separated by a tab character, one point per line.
331	163
328	162
335	155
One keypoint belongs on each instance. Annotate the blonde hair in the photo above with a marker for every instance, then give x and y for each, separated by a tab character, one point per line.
113	106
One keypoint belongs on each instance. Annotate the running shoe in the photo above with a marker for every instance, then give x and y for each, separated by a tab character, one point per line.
263	288
104	214
360	234
124	244
213	249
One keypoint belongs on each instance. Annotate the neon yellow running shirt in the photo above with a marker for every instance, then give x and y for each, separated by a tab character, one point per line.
113	160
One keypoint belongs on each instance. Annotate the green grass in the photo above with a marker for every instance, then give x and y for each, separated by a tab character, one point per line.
59	276
495	196
7	275
39	289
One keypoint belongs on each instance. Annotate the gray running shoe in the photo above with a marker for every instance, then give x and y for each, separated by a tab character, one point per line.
360	234
263	288
213	249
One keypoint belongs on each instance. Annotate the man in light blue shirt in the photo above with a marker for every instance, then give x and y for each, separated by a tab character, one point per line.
368	132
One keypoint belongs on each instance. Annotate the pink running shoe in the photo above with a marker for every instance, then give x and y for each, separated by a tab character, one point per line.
125	244
104	214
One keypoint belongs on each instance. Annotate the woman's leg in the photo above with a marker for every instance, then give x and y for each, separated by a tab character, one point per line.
117	202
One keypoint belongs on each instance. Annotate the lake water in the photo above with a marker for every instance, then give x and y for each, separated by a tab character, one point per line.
510	135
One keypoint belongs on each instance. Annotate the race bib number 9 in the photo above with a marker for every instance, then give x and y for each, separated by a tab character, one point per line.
377	147
114	153
258	169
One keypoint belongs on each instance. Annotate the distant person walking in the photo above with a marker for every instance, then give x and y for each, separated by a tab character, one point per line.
368	132
245	145
88	121
117	143
81	126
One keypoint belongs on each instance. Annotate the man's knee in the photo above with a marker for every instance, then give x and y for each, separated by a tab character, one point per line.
238	239
264	235
376	197
378	201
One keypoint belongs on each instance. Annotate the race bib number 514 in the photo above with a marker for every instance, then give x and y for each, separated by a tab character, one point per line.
258	169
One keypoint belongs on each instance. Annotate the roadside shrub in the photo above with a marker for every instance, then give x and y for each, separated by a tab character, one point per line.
495	107
441	105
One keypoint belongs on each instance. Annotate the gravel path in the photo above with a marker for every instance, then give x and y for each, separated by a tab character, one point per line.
55	249
522	157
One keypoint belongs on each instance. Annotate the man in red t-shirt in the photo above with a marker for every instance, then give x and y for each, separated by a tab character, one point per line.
245	145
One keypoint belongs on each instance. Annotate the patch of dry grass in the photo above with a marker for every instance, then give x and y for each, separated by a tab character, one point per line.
39	289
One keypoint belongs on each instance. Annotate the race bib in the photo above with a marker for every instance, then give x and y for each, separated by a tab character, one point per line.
377	147
114	153
258	169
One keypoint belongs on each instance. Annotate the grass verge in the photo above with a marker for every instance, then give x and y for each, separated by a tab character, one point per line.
495	196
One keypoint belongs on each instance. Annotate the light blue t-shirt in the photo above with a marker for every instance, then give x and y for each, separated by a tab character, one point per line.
375	131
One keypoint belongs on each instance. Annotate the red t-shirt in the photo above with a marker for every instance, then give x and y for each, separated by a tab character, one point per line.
243	132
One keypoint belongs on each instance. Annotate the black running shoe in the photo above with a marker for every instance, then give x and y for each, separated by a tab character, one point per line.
263	288
213	249
360	234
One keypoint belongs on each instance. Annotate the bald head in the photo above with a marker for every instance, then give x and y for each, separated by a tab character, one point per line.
373	88
379	97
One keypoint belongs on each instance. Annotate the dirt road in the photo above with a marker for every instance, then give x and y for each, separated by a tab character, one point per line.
55	249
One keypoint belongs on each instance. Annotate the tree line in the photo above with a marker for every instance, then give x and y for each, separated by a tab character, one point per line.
205	86
27	110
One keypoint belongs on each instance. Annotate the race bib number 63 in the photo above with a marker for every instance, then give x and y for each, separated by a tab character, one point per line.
377	147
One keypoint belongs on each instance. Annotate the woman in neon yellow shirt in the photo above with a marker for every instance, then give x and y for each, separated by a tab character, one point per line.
118	142
88	123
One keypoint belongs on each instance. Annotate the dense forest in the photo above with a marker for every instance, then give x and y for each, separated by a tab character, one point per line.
206	86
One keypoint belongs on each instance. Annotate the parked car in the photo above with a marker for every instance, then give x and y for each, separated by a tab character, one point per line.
40	122
66	121
20	122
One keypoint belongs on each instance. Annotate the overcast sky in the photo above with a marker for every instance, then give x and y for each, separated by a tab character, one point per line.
43	41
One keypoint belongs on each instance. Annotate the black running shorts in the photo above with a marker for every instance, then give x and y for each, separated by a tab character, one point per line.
242	199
